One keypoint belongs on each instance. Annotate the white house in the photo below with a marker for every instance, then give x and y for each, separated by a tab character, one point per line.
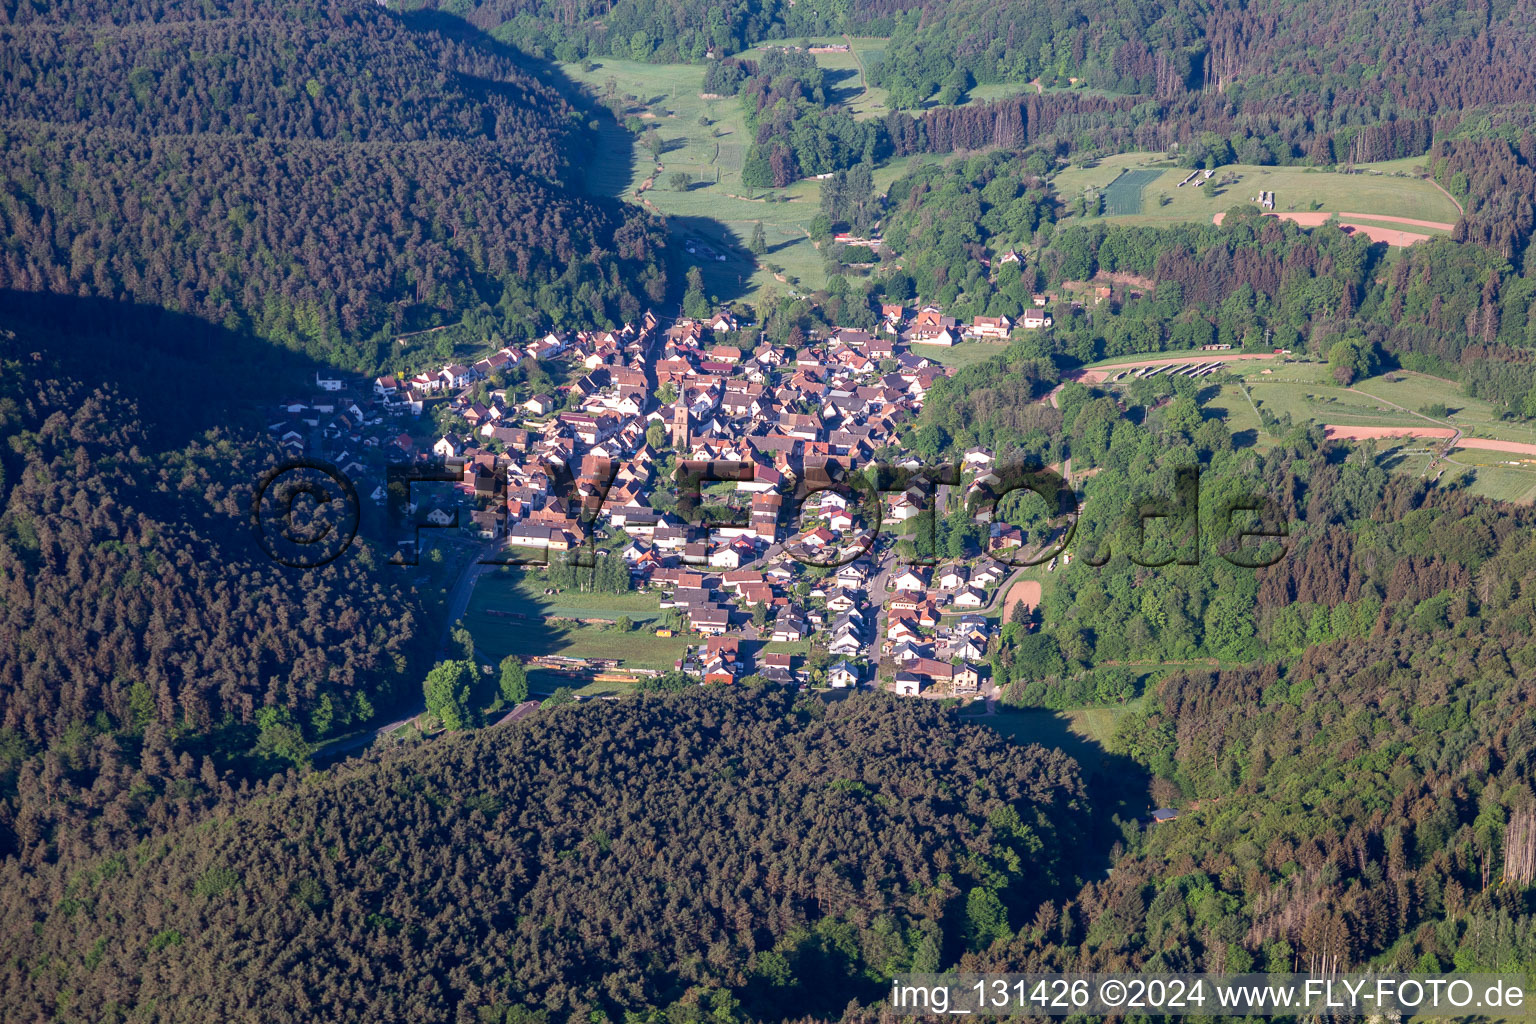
725	558
943	336
970	597
846	645
977	458
455	375
953	577
843	675
993	327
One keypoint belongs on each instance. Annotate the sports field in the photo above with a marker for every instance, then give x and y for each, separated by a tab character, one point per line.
510	614
1123	196
1372	193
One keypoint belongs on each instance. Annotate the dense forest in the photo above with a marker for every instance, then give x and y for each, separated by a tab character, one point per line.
795	131
1369	801
1357	782
1279	80
151	654
200	199
1342	64
323	175
718	855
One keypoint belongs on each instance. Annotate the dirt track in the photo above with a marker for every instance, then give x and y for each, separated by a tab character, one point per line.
1391	236
1335	432
1487	444
1435	224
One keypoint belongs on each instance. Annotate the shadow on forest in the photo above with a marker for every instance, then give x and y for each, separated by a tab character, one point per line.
726	281
188	376
1117	785
1245	438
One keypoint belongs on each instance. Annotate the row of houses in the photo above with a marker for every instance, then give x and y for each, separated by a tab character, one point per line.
929	325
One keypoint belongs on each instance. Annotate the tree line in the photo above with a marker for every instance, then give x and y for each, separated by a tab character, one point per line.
752	853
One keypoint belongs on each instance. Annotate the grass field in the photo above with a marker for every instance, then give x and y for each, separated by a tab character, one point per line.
1496	475
1394	193
542	684
1307	392
1237	413
716	207
518	592
853	89
1083	733
966	353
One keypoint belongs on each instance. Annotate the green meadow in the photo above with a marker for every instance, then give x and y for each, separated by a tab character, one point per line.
705	138
509	613
1391	190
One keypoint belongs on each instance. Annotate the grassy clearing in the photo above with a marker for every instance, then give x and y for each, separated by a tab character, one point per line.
1082	733
1307	392
1506	478
503	595
1473	415
637	649
716	207
1495	475
1323	404
1395	193
542	683
850	71
967	353
1236	412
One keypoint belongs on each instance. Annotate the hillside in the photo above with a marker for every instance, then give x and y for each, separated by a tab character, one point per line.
1365	801
1278	68
322	174
148	647
722	853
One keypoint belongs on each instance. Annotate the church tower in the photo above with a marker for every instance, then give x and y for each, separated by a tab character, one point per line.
680	426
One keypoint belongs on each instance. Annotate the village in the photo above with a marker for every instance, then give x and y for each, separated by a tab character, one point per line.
592	467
